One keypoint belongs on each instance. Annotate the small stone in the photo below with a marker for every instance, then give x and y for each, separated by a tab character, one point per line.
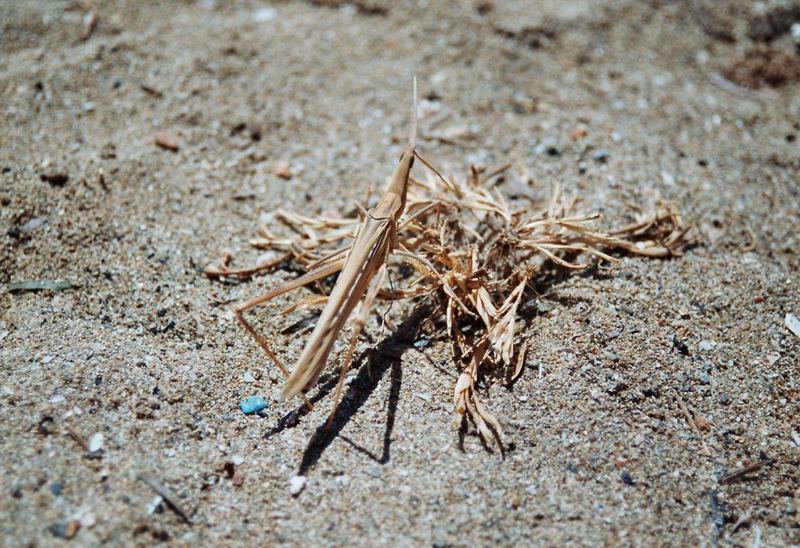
96	442
793	324
794	30
611	355
165	140
705	346
724	399
668	178
282	169
253	404
65	529
600	156
155	505
296	485
238	478
263	14
422	343
578	133
56	488
248	377
548	146
33	224
702	423
88	520
626	478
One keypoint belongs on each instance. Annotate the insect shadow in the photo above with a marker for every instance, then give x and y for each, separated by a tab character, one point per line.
372	365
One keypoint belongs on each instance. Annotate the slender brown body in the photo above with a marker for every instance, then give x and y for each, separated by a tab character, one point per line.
373	243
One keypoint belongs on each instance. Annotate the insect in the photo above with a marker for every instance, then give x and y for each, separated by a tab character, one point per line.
362	270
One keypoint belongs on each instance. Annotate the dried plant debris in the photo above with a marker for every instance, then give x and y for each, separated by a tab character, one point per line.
764	66
464	248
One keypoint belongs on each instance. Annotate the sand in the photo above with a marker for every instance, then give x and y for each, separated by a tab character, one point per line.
141	355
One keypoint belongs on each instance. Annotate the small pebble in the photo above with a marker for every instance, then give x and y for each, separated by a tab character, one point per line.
422	343
548	146
794	30
56	488
263	14
88	520
793	324
626	478
578	133
600	156
702	423
282	169
96	442
248	377
611	355
238	478
705	346
253	404
65	529
296	484
165	140
155	505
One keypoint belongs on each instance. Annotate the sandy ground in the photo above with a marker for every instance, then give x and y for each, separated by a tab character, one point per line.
142	349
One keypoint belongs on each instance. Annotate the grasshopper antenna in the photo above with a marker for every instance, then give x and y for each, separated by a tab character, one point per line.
412	136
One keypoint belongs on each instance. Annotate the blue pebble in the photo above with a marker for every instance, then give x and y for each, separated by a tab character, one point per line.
253	404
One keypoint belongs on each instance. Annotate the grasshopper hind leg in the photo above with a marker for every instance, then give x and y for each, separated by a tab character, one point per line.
358	326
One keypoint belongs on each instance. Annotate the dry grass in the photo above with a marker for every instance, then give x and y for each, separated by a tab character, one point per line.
476	257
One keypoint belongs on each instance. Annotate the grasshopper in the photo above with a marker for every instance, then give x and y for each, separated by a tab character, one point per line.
362	270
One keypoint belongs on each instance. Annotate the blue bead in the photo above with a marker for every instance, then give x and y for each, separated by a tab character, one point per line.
253	404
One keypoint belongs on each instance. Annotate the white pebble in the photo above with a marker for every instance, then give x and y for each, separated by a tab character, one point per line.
96	442
88	520
296	484
793	324
154	505
705	346
248	377
264	14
